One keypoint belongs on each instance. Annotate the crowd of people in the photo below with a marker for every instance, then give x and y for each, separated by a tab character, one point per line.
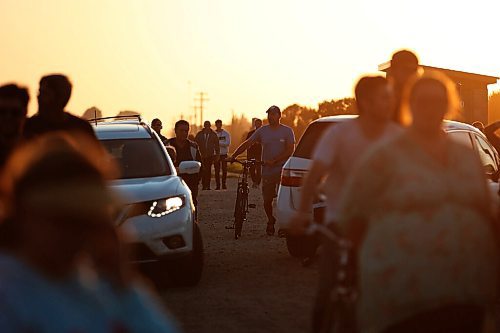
62	263
412	204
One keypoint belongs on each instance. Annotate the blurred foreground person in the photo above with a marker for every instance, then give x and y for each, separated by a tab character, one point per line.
65	270
53	96
334	158
418	211
13	109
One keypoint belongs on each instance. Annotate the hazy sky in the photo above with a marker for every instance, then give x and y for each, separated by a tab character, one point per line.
152	56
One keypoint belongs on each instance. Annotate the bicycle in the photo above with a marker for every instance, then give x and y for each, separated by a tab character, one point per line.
338	315
241	204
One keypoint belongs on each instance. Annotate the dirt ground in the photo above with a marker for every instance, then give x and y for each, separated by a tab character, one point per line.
249	285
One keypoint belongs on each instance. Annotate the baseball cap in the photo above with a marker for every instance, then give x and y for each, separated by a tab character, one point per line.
274	108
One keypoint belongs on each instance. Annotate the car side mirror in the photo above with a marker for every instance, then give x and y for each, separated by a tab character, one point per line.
189	167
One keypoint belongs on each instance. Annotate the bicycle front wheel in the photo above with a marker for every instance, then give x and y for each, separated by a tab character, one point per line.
239	213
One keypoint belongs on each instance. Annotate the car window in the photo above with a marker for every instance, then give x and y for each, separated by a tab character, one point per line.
486	153
310	138
461	137
138	158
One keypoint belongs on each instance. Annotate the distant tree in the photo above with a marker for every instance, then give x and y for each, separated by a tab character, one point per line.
91	113
238	128
494	107
337	107
298	117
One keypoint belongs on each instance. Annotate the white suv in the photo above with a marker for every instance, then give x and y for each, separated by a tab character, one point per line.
158	210
299	163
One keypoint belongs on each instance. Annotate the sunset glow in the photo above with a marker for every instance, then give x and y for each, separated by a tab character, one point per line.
153	56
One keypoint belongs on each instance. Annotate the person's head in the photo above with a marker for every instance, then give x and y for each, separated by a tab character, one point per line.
404	64
218	124
374	97
53	94
207	125
479	125
273	115
428	99
181	130
13	109
56	199
257	123
156	125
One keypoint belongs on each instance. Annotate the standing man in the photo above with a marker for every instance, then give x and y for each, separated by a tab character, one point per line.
404	64
208	142
278	143
224	142
53	96
157	126
13	109
255	152
186	150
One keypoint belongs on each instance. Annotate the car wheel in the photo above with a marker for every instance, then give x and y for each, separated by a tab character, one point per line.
186	271
301	246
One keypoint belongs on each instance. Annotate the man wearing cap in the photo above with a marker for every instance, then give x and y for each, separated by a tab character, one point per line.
278	143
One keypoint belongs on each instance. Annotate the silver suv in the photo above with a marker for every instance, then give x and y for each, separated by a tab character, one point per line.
158	212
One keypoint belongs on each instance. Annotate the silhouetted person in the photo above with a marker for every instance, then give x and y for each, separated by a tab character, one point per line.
208	143
186	150
224	142
491	133
13	109
278	143
157	126
404	64
255	152
337	153
57	198
53	96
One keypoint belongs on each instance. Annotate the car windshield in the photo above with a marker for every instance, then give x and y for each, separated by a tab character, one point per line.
138	158
310	138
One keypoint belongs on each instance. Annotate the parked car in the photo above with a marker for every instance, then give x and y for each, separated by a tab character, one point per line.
299	163
158	211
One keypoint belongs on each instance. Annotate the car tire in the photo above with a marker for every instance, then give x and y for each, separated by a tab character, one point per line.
301	246
186	271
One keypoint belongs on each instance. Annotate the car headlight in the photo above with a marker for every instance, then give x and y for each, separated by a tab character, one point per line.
166	206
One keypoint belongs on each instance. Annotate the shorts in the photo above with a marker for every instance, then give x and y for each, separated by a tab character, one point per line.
270	187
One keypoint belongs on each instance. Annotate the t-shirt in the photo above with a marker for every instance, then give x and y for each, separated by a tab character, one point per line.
274	142
29	302
340	148
224	141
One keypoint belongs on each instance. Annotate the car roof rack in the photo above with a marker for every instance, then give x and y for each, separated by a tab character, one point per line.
103	119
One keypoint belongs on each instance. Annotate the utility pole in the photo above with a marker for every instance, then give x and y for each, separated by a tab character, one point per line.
202	97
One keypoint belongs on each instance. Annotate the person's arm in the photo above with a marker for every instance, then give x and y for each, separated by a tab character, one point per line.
246	144
310	186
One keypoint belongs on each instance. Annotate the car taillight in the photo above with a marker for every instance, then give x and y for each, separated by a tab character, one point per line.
292	177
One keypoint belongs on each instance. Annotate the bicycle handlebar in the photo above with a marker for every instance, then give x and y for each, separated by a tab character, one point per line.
245	162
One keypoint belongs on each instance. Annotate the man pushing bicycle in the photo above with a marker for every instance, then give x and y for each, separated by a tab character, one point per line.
278	143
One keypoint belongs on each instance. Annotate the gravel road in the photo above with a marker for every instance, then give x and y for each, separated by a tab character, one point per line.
248	285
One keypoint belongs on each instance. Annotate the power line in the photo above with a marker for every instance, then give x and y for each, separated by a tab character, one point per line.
202	97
